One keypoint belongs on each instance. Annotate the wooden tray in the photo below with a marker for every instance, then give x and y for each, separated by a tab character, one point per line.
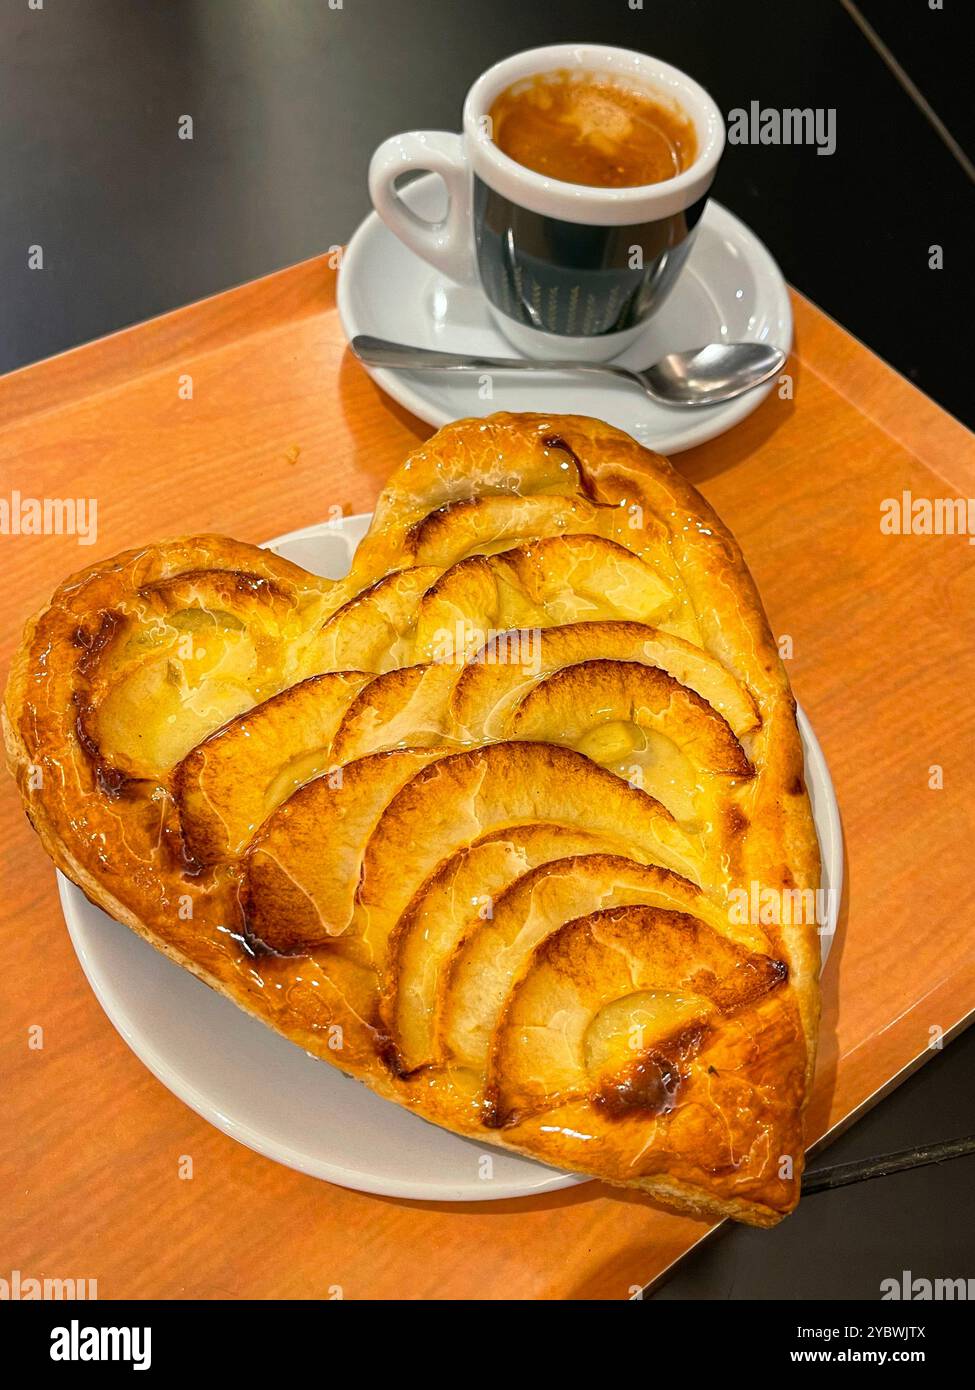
283	425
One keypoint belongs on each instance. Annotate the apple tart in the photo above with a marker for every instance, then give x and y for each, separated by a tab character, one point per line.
474	824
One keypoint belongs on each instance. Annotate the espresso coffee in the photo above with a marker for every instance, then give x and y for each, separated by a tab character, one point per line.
588	129
575	193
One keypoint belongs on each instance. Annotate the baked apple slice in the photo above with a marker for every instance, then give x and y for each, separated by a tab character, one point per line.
547	583
373	631
465	796
640	723
228	785
611	1008
490	686
183	656
403	708
494	952
486	525
302	870
460	895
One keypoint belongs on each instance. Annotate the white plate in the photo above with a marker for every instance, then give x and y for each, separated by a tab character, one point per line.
270	1095
730	290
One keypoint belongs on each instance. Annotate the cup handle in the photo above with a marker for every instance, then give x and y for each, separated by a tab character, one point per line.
445	244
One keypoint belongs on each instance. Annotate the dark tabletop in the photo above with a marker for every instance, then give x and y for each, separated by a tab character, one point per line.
290	97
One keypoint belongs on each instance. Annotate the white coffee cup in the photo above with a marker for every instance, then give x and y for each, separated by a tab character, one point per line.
554	259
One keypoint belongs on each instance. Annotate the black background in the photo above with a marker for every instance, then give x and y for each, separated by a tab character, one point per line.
290	97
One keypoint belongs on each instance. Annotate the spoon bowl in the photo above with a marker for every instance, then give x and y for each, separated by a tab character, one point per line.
707	375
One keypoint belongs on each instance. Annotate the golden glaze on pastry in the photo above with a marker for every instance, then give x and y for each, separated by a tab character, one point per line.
471	824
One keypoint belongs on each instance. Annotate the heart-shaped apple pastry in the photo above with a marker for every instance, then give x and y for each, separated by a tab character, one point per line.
475	823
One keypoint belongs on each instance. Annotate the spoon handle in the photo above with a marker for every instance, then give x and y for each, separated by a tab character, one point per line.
378	352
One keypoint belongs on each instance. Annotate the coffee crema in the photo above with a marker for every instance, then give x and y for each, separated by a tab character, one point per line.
590	129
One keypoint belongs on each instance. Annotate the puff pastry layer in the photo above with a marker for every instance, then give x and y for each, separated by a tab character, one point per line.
475	823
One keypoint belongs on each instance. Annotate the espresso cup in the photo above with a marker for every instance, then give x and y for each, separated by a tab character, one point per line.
568	270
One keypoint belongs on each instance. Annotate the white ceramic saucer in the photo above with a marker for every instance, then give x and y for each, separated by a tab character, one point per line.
270	1095
730	291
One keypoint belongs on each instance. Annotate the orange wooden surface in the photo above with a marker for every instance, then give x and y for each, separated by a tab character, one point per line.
283	425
